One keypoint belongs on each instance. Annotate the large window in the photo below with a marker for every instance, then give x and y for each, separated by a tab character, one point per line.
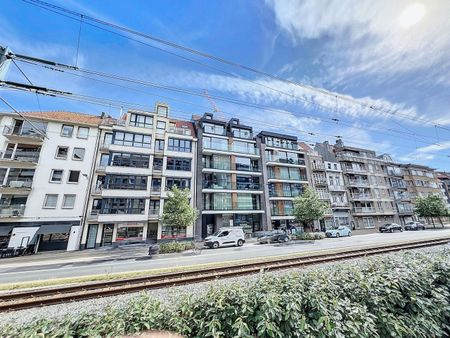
181	183
126	182
132	140
66	130
122	206
213	128
176	144
215	143
130	160
83	132
173	232
142	121
181	164
125	232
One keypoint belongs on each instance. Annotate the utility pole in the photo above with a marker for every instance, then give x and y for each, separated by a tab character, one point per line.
5	62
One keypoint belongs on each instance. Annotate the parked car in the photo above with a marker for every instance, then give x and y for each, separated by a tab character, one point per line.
274	236
226	237
391	227
414	226
338	232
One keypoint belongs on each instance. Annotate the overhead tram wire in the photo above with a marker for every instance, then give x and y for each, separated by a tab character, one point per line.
122	104
62	67
61	10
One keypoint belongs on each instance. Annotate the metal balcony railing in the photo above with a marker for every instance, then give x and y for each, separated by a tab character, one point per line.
21	131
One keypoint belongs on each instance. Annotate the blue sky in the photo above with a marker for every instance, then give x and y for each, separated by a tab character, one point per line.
365	50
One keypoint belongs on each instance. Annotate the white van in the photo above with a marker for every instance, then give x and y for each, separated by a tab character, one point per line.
226	237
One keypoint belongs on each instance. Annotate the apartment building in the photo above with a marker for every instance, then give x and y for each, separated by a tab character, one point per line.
421	181
141	156
444	179
367	186
326	162
399	191
285	173
230	186
45	166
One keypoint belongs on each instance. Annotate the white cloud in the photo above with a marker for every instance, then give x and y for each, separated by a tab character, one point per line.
434	148
366	38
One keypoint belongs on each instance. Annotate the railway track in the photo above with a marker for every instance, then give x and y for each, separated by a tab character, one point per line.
51	296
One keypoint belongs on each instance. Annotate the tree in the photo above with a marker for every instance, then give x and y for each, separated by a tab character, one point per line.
308	207
177	210
431	206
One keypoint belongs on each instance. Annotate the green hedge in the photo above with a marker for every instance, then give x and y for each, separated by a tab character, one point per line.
174	246
308	236
399	295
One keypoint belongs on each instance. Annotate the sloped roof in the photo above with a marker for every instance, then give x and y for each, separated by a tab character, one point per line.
65	116
184	124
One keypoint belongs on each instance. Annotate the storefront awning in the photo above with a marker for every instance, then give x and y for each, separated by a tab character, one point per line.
5	230
47	229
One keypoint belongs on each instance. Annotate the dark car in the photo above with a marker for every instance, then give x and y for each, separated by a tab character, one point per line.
413	226
274	236
391	227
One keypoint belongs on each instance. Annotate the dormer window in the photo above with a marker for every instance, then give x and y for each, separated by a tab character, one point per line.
162	110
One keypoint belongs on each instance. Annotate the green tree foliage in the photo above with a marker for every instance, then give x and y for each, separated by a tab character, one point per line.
177	209
308	207
431	206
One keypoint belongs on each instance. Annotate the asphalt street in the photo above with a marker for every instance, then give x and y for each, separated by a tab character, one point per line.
21	270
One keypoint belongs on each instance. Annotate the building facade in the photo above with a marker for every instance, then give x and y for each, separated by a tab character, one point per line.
140	157
45	164
230	186
285	174
444	178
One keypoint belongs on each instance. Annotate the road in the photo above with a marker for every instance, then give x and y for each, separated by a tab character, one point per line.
12	271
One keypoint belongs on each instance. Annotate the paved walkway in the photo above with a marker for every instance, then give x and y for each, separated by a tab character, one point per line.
126	259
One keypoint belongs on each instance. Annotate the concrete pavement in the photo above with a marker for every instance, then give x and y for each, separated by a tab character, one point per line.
129	259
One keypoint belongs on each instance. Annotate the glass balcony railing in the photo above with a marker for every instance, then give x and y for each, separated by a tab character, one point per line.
23	131
227	166
365	210
361	196
287	178
231	148
25	156
284	193
298	161
19	184
12	210
359	183
232	186
153	211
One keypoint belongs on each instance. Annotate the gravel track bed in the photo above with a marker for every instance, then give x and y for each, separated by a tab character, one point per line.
18	318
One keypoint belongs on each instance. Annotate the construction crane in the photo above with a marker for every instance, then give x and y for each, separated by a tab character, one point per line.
211	101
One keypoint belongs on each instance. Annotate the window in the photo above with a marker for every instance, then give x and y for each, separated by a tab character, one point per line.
157	163
56	176
176	144
335	167
61	152
132	140
213	129
130	160
107	138
173	232
159	145
181	183
68	201
50	201
74	176
182	164
161	125
66	130
78	154
126	182
215	143
122	206
83	132
162	110
142	121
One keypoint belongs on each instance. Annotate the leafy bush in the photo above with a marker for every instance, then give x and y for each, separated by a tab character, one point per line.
174	246
398	295
308	236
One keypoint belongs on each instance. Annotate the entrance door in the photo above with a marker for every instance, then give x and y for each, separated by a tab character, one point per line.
107	237
92	236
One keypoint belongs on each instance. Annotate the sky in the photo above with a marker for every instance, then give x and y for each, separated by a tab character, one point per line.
340	58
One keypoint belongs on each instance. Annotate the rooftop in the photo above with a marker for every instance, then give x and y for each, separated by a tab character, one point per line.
65	116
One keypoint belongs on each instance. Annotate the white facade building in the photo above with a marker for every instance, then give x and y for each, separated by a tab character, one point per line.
141	156
45	166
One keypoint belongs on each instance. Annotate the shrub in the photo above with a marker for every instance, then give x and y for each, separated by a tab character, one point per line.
398	295
174	246
309	236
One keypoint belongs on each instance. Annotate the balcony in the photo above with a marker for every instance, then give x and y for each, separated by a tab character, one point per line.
361	197
231	148
333	187
299	178
155	191
242	134
232	186
104	146
290	194
21	134
284	160
19	158
324	196
358	183
320	181
355	170
180	131
318	166
398	185
153	213
227	166
15	210
278	213
230	208
340	205
364	210
13	186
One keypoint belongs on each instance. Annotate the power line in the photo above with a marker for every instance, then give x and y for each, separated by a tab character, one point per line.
58	10
62	67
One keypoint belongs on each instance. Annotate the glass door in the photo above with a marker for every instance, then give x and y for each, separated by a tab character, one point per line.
92	236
